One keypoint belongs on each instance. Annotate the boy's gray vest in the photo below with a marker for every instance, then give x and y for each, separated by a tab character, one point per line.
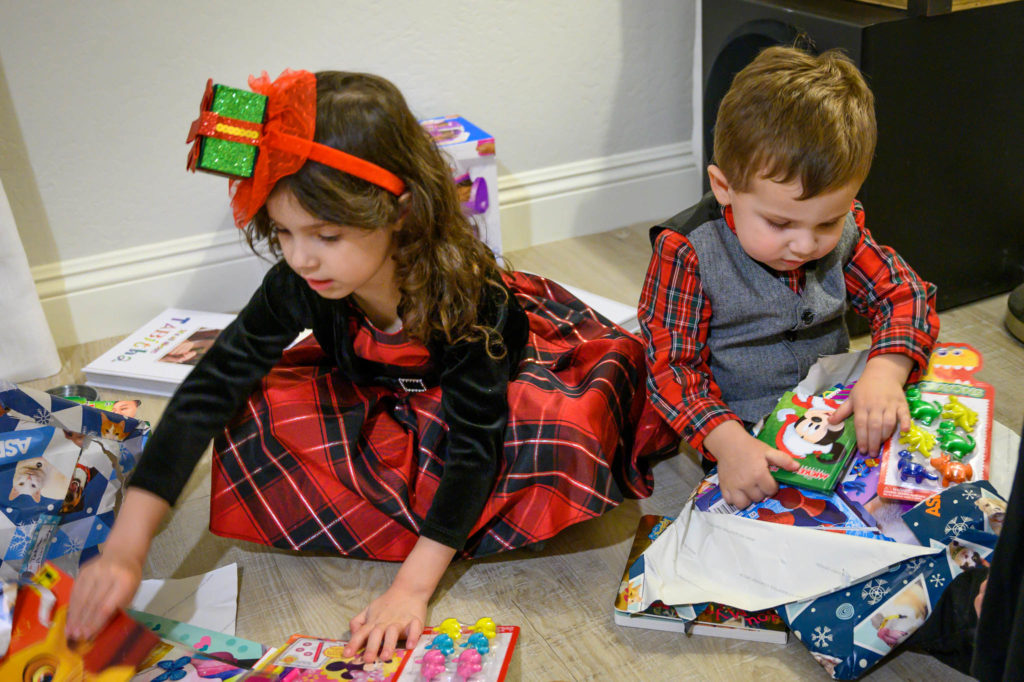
763	337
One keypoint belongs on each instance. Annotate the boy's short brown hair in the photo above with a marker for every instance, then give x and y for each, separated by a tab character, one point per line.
789	114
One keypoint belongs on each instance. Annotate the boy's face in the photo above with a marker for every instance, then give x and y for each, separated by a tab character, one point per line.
777	228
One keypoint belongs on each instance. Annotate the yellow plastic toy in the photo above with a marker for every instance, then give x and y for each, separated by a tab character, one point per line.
962	416
450	627
485	626
918	439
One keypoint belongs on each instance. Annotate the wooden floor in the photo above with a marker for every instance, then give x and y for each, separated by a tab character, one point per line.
560	596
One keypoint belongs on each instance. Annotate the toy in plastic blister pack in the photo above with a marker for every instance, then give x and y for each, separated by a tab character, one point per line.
949	440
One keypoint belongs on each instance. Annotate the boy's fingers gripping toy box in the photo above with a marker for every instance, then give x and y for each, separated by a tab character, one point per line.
949	440
474	171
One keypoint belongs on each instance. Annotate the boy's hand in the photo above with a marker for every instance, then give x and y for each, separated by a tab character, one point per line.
877	401
104	585
396	613
743	460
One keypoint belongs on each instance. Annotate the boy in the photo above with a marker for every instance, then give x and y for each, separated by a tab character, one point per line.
748	288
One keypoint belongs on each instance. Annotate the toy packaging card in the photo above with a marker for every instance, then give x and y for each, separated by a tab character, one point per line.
799	426
228	648
172	661
303	654
949	441
39	649
791	506
474	170
444	653
451	654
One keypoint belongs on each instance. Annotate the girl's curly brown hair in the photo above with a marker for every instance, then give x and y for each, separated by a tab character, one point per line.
444	271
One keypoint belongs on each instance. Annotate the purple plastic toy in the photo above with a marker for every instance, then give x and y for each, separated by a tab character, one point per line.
911	469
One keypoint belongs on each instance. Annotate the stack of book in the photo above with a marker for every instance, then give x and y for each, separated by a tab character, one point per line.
715	620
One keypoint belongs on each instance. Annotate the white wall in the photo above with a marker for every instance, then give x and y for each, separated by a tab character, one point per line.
590	104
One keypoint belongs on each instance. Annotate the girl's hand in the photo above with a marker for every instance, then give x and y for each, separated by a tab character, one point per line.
402	610
877	401
104	585
109	581
396	613
743	474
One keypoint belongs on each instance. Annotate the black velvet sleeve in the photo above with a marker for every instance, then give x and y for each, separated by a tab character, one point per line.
474	400
242	355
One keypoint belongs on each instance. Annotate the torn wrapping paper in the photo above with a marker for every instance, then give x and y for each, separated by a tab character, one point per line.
208	600
850	630
849	599
62	471
754	565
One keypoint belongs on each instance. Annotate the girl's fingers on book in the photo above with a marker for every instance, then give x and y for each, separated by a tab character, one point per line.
356	634
373	644
390	642
412	633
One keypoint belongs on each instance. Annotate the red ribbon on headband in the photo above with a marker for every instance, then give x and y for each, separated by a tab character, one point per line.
285	141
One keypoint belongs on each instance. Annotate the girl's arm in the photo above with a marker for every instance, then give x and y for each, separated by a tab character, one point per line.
109	581
402	609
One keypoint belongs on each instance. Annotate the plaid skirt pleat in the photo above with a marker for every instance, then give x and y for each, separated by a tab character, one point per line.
314	462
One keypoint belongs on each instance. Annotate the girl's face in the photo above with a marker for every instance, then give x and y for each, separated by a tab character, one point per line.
335	260
776	227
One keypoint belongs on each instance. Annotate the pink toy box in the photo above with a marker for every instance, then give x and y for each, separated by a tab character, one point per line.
470	150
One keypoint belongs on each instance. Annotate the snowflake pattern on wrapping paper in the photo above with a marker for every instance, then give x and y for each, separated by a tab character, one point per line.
874	591
822	636
914	564
19	542
970	494
66	544
42	416
957	525
937	580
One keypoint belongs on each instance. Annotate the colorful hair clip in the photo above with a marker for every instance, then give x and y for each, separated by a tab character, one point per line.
259	137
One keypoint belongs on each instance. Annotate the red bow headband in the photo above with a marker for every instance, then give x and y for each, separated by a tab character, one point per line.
259	137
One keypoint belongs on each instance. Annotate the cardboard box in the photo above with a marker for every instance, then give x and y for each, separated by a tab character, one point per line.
474	169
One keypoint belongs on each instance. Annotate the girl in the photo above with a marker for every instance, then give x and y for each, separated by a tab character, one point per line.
442	406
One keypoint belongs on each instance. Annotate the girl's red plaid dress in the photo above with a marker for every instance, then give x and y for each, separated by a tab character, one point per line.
315	462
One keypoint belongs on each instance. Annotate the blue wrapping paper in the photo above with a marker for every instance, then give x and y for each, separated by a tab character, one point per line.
63	466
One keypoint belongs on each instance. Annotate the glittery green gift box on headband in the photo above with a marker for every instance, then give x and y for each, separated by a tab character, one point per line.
227	156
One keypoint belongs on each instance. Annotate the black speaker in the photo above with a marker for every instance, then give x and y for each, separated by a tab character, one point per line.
946	188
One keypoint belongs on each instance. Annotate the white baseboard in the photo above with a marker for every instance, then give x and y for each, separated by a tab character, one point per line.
596	195
96	297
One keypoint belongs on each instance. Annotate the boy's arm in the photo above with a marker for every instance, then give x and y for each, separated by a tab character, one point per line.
674	316
904	325
899	305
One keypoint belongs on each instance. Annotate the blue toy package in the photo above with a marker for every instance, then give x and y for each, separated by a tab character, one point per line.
793	506
850	630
